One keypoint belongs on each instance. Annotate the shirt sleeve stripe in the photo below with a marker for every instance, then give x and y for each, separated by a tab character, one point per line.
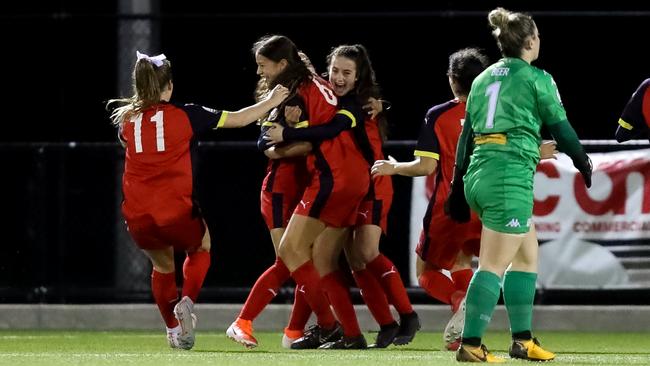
302	124
426	154
349	115
222	119
624	124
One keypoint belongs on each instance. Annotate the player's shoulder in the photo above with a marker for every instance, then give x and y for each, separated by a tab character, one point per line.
438	110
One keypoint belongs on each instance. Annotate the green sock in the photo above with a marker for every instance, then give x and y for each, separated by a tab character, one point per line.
482	296
518	294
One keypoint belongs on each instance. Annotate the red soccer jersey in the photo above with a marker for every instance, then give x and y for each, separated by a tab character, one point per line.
340	174
438	139
286	179
443	238
158	174
383	185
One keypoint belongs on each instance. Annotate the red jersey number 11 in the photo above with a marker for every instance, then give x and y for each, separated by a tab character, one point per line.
160	131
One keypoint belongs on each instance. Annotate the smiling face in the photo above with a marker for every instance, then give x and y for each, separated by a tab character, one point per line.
342	75
267	68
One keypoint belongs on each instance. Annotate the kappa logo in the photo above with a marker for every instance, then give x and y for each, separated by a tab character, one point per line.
513	223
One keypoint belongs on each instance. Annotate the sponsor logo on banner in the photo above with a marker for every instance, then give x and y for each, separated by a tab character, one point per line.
596	237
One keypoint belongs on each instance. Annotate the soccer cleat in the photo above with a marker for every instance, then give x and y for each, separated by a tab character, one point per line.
467	353
289	336
183	311
358	342
315	336
241	331
454	329
530	350
409	324
172	337
386	335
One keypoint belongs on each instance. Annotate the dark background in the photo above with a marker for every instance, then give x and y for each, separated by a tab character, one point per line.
60	59
59	67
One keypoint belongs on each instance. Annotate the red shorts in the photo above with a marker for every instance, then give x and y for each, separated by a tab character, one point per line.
184	233
445	239
282	188
277	207
375	206
374	212
335	204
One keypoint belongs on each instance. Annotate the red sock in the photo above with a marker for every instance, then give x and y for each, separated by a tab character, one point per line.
195	268
384	271
461	278
339	296
300	312
163	287
307	278
374	296
437	285
264	290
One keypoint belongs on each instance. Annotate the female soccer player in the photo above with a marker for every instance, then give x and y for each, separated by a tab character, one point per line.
159	207
280	63
508	104
353	79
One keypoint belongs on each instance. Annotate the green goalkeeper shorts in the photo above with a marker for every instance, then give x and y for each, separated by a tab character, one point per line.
499	188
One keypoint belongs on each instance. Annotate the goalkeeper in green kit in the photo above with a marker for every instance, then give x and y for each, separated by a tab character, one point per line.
495	164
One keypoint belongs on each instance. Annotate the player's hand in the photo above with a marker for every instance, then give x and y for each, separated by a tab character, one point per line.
292	113
374	107
548	150
278	94
383	167
274	134
456	205
586	169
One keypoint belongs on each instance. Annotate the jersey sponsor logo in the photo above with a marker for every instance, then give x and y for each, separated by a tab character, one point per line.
513	223
500	71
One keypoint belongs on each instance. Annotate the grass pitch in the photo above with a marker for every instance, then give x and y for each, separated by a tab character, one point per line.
53	348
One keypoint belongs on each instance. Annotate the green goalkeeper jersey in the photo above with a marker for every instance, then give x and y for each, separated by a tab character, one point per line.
513	98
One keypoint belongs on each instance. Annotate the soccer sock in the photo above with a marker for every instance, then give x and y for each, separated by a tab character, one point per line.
437	285
374	296
386	273
339	296
461	279
307	278
163	287
518	295
482	296
195	268
300	312
264	290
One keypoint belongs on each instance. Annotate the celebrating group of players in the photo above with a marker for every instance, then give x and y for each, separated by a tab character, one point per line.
328	190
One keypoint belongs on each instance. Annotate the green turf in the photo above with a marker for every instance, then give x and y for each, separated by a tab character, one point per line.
213	348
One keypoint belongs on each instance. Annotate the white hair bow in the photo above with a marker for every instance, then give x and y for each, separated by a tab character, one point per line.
156	60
